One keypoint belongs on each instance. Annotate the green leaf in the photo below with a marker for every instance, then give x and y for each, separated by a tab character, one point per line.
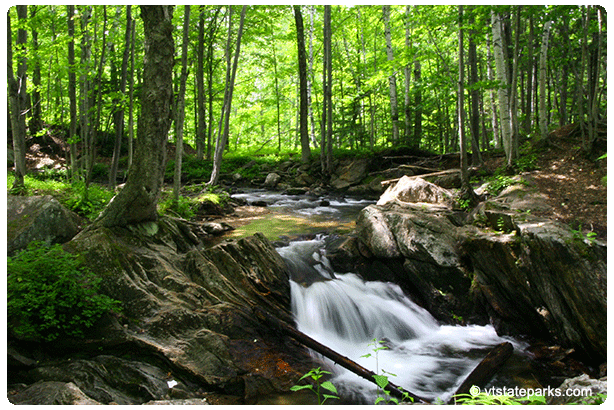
302	387
382	381
329	386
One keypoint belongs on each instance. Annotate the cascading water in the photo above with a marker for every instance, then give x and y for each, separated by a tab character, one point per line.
346	313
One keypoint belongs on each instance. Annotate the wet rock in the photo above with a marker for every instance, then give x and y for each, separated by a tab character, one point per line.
271	180
350	173
38	218
186	311
524	274
51	393
579	390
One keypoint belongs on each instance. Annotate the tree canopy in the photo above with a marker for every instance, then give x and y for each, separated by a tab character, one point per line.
527	67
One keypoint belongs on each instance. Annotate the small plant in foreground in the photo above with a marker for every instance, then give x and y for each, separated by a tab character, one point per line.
316	374
51	295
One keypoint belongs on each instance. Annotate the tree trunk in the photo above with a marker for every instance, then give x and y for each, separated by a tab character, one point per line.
501	65
98	99
493	101
137	202
476	158
200	86
18	98
392	79
466	189
222	138
119	113
72	90
407	70
326	145
36	122
84	92
543	67
302	75
180	113
131	97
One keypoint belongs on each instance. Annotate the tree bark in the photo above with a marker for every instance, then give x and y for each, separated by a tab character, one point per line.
302	75
487	368
200	86
180	113
326	126
137	202
222	138
543	67
17	99
72	90
392	79
476	158
501	65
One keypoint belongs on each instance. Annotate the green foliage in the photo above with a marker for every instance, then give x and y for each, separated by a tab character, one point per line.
578	235
187	206
315	375
51	295
486	399
499	182
86	201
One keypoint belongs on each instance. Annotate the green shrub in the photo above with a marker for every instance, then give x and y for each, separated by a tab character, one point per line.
50	295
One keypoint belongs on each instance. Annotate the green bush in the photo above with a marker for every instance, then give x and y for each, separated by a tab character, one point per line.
50	294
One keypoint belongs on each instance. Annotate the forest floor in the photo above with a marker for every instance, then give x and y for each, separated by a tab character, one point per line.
574	185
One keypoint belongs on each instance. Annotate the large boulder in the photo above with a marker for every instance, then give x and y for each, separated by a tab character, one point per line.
188	307
350	173
525	274
38	218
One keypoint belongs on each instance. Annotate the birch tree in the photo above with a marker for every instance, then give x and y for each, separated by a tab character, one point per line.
502	77
392	79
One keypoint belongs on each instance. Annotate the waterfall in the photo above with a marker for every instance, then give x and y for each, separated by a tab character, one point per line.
346	313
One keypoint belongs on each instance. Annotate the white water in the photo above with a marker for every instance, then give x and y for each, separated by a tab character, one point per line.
346	313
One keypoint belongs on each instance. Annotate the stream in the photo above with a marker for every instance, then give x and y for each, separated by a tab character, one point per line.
348	314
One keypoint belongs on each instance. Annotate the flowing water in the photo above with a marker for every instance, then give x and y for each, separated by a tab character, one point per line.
347	314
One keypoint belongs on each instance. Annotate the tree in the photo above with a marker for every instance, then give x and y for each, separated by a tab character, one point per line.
466	189
180	111
137	201
302	74
502	77
18	98
392	78
231	71
327	107
543	115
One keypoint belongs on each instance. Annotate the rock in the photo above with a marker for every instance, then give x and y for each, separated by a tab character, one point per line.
579	389
190	307
51	393
178	402
524	274
304	179
350	173
271	180
216	228
416	190
38	218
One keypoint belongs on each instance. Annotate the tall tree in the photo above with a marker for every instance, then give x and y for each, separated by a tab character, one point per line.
180	111
543	115
72	90
137	201
118	115
200	87
392	78
18	96
474	118
503	88
231	71
302	75
327	109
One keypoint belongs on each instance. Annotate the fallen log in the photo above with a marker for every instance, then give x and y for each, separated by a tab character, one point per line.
343	361
423	176
487	368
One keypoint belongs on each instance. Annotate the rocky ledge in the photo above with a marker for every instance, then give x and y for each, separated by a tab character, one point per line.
186	330
498	264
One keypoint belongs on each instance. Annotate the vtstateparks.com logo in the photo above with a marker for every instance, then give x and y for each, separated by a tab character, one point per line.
531	392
